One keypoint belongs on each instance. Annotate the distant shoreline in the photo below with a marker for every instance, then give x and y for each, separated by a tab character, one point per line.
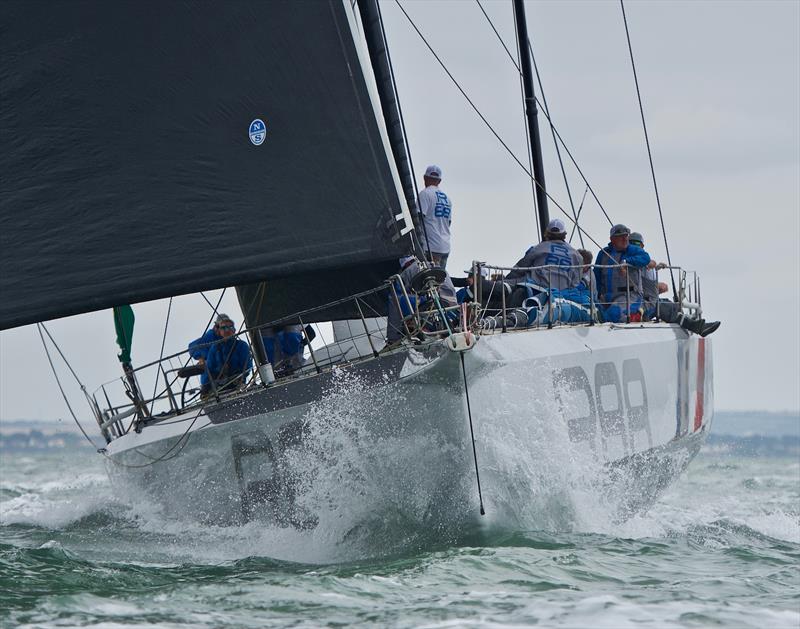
743	433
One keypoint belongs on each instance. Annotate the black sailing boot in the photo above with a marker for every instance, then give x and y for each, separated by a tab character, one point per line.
691	324
698	326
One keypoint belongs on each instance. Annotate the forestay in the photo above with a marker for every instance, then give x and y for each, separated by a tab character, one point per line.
162	149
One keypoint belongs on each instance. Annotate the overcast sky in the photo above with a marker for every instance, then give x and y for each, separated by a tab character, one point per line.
720	87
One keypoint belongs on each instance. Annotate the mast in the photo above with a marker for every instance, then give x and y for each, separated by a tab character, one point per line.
381	63
532	114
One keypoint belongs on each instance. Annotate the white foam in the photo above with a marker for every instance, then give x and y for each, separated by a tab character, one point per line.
776	524
607	611
373	486
57	503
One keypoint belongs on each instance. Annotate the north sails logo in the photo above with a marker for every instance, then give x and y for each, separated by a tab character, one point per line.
258	131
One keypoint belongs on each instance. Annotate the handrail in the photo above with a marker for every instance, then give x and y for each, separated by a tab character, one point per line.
570	266
116	412
688	295
275	322
424	328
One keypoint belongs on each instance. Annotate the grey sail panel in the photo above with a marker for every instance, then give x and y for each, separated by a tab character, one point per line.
267	302
128	169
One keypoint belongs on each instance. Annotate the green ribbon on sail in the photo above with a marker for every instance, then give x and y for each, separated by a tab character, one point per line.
123	324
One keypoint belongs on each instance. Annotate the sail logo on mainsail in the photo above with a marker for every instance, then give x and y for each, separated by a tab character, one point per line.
258	131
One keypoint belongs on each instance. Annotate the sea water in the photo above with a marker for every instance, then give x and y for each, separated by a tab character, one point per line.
721	548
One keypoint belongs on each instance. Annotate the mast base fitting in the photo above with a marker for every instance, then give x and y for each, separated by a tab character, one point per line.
460	341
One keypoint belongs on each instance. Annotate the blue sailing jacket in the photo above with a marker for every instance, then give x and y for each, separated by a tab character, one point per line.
228	359
611	283
199	347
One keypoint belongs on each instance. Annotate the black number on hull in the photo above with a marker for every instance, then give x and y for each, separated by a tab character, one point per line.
638	416
611	416
575	379
612	420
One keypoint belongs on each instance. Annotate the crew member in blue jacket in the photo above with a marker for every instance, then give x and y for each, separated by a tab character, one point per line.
619	287
226	359
198	349
284	345
665	309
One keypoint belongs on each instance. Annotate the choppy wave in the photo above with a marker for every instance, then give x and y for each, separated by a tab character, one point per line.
363	516
720	548
374	487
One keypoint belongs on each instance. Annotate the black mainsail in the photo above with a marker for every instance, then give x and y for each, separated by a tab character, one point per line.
156	149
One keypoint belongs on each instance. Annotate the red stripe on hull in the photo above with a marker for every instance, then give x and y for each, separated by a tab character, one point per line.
701	383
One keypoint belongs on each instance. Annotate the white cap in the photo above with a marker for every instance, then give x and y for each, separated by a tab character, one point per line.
433	171
556	226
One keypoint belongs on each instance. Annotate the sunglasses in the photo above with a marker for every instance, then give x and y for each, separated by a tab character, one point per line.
226	327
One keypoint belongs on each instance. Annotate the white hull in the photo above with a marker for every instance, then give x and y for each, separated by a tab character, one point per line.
564	406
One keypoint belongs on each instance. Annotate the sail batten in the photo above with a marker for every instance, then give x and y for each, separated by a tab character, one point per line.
134	168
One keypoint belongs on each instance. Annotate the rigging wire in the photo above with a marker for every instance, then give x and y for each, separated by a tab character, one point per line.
649	152
186	362
555	141
460	89
488	125
544	107
516	64
60	353
161	355
101	451
92	404
203	295
580	209
580	172
547	115
39	328
184	438
215	308
182	441
499	38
